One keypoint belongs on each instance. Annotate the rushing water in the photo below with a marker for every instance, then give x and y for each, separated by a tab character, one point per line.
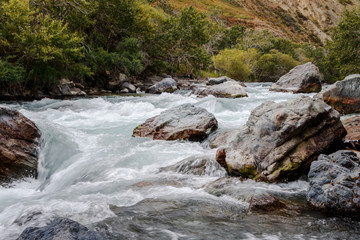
91	170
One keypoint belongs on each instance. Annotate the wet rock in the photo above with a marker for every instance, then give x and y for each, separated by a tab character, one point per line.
301	79
265	203
67	88
61	228
19	144
280	140
335	183
185	122
219	80
228	89
201	166
352	126
165	85
344	95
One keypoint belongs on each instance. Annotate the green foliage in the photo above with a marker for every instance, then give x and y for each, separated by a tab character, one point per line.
11	74
41	44
237	63
271	66
344	51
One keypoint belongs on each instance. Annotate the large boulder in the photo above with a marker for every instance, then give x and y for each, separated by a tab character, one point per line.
335	183
61	228
301	79
165	85
344	95
185	122
19	144
280	140
228	89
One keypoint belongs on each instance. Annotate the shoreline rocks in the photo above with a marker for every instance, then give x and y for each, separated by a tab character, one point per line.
185	122
19	144
344	95
280	140
166	85
227	89
301	79
335	183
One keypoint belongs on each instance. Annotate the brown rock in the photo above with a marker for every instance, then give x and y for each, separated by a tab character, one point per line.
344	95
265	203
352	126
19	143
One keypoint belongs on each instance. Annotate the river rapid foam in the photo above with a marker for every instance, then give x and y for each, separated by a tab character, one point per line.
92	171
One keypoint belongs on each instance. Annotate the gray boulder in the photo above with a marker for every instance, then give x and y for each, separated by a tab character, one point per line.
228	89
185	122
335	183
61	228
165	85
19	144
128	87
115	83
344	95
280	140
301	79
67	88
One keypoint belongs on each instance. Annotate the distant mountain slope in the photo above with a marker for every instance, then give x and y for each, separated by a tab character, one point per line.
299	20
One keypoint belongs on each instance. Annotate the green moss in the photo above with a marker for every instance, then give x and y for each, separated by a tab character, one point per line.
288	167
249	171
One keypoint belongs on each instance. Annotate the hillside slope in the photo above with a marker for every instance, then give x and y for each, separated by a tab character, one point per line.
299	20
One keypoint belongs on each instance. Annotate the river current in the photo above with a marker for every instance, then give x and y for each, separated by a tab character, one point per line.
92	171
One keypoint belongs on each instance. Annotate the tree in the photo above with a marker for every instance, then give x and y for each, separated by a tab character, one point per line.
344	51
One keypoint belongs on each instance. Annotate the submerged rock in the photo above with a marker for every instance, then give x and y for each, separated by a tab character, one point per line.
344	95
185	122
201	166
165	85
280	140
228	89
265	203
301	79
61	228
335	183
19	144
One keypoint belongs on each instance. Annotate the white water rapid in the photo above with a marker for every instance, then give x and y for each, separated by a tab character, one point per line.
92	171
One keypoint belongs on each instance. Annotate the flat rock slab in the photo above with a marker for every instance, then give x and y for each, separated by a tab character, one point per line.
185	122
280	140
19	144
301	79
228	89
335	183
61	229
344	95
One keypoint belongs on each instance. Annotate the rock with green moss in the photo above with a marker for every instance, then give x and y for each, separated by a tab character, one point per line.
280	140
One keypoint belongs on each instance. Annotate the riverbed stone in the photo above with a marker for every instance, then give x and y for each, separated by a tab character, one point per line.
304	78
198	165
165	85
335	183
61	229
19	145
280	140
228	89
344	95
185	122
352	126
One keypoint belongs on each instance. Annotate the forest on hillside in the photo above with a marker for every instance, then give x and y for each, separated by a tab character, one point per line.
43	41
